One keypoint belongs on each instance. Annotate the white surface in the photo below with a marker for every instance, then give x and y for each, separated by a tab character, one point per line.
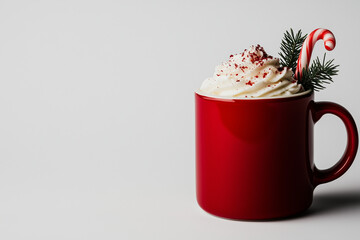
97	116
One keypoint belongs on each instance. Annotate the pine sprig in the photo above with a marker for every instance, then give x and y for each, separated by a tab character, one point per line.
318	74
290	48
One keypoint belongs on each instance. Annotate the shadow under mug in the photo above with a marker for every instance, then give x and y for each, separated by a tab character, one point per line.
254	157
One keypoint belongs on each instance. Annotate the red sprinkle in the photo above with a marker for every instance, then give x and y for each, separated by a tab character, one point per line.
265	75
231	55
249	83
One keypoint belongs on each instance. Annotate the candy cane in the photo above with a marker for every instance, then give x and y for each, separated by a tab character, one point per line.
307	48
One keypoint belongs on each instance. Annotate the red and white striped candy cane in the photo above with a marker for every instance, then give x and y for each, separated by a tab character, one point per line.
307	48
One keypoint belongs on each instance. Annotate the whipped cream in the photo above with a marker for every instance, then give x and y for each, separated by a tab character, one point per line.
252	73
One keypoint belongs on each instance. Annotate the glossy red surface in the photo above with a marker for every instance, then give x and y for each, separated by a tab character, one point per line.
254	157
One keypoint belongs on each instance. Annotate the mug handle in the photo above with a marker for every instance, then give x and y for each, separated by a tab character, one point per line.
334	172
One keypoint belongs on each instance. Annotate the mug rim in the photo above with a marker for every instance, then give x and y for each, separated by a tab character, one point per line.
232	99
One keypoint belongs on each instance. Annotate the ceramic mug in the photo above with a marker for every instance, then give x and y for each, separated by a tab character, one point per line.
254	157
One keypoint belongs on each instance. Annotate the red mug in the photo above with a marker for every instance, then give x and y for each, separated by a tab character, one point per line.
254	157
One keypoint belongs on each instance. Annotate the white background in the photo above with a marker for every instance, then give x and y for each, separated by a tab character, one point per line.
97	116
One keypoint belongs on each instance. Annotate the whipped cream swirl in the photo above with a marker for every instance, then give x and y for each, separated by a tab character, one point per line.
251	74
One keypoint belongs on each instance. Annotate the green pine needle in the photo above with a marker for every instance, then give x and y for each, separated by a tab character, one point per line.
319	73
290	48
